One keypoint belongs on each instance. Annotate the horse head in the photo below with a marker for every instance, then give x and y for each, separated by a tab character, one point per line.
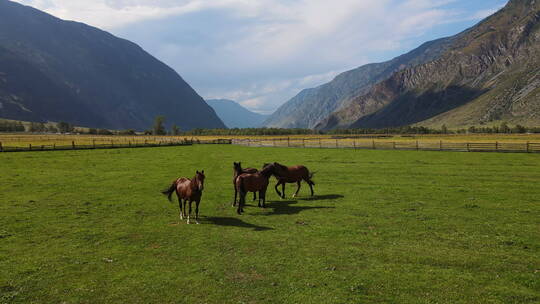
199	180
237	167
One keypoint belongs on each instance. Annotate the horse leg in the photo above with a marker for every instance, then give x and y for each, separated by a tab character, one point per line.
235	194
189	214
184	211
262	194
179	204
241	202
197	212
277	190
283	189
297	189
254	195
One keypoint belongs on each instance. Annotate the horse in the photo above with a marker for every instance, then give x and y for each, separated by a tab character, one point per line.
237	170
294	174
188	190
253	182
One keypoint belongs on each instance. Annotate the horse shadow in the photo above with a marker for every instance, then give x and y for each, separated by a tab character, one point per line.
234	222
322	197
285	208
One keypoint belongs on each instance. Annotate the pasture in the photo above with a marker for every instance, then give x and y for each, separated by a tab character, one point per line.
384	227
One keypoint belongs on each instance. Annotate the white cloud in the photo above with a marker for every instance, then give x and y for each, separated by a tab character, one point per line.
262	52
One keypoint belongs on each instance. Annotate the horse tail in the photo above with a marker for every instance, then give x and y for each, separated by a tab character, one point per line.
169	191
242	187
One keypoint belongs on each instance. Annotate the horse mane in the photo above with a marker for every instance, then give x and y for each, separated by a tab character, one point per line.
282	167
268	170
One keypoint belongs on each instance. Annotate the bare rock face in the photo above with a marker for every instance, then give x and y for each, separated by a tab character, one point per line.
489	73
307	108
57	70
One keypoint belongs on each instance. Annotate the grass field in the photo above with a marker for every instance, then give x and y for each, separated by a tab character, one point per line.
384	227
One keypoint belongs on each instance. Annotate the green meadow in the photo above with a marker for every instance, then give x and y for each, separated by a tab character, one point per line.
384	227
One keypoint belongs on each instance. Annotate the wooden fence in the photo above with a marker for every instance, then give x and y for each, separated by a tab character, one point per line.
107	145
353	143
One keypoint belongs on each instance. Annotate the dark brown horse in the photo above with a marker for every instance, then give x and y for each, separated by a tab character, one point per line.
294	174
187	190
237	170
253	182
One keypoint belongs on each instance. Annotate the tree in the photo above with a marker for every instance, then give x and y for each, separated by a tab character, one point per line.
64	127
159	128
444	129
175	130
504	128
520	129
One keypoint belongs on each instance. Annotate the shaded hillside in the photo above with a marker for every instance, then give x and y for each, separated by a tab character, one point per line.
489	73
51	69
234	115
312	105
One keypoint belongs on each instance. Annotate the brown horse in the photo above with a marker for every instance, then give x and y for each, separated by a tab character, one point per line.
253	182
294	174
188	190
237	170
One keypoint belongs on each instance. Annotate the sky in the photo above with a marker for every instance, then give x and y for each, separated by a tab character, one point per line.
261	53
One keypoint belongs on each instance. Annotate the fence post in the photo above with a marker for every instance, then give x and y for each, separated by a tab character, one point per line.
54	146
130	143
303	142
1	148
73	145
528	147
417	147
145	142
30	147
354	144
94	143
373	144
288	142
468	148
496	146
394	145
440	145
320	143
273	142
337	144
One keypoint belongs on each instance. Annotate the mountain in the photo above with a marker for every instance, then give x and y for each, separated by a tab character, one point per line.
489	73
310	106
57	70
234	115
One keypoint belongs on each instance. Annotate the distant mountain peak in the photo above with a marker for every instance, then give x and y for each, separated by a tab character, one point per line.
235	115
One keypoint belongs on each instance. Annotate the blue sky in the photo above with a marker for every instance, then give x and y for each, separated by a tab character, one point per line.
263	52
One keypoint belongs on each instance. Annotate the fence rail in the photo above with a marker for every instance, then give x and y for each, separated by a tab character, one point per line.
354	143
107	145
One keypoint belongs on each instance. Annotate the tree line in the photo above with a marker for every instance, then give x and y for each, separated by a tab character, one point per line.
158	128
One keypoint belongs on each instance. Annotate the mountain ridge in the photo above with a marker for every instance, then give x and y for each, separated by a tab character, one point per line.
310	106
87	76
476	67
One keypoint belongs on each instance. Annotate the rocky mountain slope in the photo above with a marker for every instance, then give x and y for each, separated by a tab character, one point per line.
57	70
489	73
235	115
312	105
